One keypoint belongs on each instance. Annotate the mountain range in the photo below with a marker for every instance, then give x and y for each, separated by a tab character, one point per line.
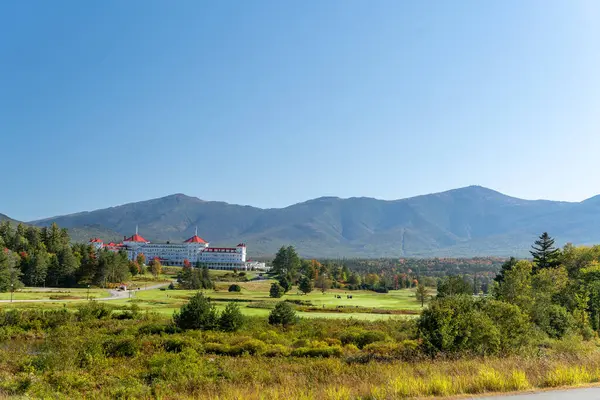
470	221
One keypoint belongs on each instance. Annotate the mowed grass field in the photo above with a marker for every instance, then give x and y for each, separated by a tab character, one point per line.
54	294
253	300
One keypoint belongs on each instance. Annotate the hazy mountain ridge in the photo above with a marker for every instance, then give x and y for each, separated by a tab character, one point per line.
461	222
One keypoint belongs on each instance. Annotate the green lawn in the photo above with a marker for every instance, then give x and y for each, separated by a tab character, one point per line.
254	299
56	294
370	305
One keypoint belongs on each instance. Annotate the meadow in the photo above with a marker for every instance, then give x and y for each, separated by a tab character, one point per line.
365	347
99	353
253	299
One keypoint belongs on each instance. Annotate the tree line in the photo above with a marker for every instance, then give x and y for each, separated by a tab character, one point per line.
34	256
551	296
379	275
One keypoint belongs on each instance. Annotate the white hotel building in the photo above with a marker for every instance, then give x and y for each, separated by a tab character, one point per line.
195	249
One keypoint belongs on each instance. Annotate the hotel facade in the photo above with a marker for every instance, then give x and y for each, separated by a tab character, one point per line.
194	249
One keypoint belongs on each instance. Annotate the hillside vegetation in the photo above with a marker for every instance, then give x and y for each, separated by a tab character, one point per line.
469	221
538	329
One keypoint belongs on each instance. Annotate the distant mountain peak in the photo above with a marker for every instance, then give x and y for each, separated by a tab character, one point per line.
468	221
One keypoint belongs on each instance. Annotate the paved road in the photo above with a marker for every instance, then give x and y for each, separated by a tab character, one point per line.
123	294
570	394
114	295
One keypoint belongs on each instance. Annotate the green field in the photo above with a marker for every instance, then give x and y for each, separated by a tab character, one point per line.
254	300
54	294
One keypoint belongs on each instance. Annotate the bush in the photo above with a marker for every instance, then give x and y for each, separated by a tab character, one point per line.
515	329
454	324
235	288
125	347
560	322
94	310
276	290
282	314
324	352
197	314
231	318
277	350
361	338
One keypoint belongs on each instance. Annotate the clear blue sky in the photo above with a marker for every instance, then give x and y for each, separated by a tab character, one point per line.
269	103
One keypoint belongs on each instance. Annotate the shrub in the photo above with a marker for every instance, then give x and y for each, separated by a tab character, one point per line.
324	352
197	314
277	350
125	347
276	290
175	345
560	322
282	314
235	288
454	324
362	338
94	310
515	329
252	346
231	318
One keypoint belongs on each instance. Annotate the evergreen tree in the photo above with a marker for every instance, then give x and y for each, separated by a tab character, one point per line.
6	232
9	271
206	280
286	263
35	268
506	267
54	270
88	264
198	313
282	314
305	285
545	255
34	239
231	318
276	290
285	283
19	240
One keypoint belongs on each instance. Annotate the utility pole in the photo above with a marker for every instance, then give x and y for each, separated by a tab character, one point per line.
88	293
12	287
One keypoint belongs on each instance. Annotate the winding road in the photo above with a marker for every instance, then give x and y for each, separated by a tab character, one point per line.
114	295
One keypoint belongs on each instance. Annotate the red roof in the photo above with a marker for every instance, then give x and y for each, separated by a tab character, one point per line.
136	238
195	239
95	240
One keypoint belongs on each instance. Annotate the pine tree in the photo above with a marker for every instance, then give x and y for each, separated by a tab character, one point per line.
305	285
545	255
286	263
276	290
506	267
231	318
282	314
199	313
